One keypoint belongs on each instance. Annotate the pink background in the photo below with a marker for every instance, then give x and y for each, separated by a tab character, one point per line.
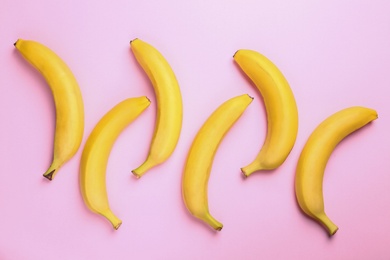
335	54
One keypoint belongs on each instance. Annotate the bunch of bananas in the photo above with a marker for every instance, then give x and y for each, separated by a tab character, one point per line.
282	129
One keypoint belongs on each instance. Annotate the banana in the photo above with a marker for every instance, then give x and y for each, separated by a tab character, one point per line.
169	104
67	98
315	155
97	150
201	156
282	113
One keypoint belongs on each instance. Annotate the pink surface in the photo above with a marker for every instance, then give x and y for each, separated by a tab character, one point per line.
335	54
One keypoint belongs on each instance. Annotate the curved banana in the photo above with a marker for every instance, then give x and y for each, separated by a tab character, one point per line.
282	113
201	156
315	155
169	104
97	150
67	98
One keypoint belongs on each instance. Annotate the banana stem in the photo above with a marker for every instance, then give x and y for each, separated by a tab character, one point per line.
327	223
51	172
148	164
213	222
115	221
251	168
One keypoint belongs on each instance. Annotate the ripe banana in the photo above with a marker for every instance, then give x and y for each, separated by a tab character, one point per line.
169	104
97	150
282	114
201	156
315	155
67	98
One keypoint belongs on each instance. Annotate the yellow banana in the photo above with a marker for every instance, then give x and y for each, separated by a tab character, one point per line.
169	104
282	113
315	155
97	150
201	156
67	98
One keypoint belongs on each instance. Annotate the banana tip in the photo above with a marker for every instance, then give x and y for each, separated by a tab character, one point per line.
333	232
49	175
133	40
15	43
117	226
235	53
138	176
244	174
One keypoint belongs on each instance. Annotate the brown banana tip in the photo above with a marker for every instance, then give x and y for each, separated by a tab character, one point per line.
117	226
136	174
49	176
218	228
133	40
250	96
235	53
243	174
148	99
15	43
